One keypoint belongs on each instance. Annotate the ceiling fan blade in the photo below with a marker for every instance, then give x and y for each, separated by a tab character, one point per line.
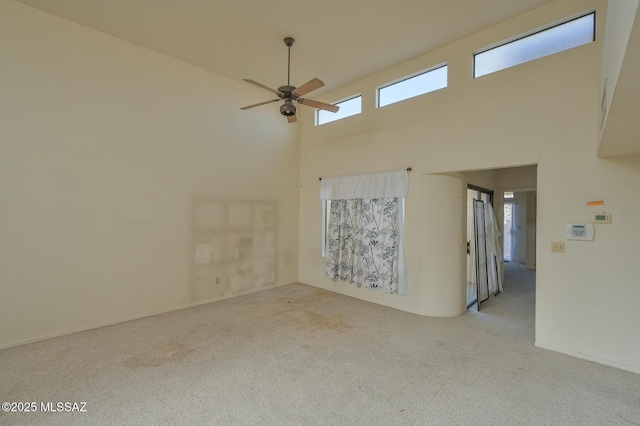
309	86
261	103
319	105
261	85
291	118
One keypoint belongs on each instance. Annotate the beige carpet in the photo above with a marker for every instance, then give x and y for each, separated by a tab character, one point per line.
299	355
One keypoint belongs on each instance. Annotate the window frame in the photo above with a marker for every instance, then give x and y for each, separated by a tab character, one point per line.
337	103
525	35
409	77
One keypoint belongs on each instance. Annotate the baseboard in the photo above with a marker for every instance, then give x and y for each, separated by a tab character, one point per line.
134	317
399	308
582	355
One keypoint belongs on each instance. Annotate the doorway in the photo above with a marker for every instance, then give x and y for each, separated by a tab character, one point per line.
522	180
520	207
509	234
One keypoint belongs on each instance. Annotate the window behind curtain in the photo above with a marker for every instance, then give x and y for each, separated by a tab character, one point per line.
362	229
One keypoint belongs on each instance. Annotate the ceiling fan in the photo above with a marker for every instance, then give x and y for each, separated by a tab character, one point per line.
290	93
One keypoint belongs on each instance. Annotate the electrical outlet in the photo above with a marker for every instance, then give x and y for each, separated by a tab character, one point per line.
557	247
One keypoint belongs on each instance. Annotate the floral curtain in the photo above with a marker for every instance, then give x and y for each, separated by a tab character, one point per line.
363	242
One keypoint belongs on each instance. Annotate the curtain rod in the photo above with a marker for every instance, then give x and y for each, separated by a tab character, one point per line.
408	169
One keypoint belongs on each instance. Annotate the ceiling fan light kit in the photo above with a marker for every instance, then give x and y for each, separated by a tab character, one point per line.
288	108
289	93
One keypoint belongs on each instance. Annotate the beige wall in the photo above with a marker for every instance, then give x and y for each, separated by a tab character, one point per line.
525	228
514	178
520	200
530	261
543	112
106	150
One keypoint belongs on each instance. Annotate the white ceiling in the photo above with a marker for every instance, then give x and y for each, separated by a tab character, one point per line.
338	41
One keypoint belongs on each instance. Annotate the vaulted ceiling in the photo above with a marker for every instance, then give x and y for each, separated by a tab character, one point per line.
337	41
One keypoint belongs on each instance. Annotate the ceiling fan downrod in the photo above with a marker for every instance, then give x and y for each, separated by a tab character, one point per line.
289	42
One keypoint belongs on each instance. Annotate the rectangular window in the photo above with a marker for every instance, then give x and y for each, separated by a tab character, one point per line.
348	108
406	88
565	36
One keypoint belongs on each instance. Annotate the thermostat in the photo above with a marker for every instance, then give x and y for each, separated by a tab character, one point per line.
579	232
600	218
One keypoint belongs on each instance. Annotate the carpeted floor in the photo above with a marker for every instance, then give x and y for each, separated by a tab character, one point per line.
299	355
